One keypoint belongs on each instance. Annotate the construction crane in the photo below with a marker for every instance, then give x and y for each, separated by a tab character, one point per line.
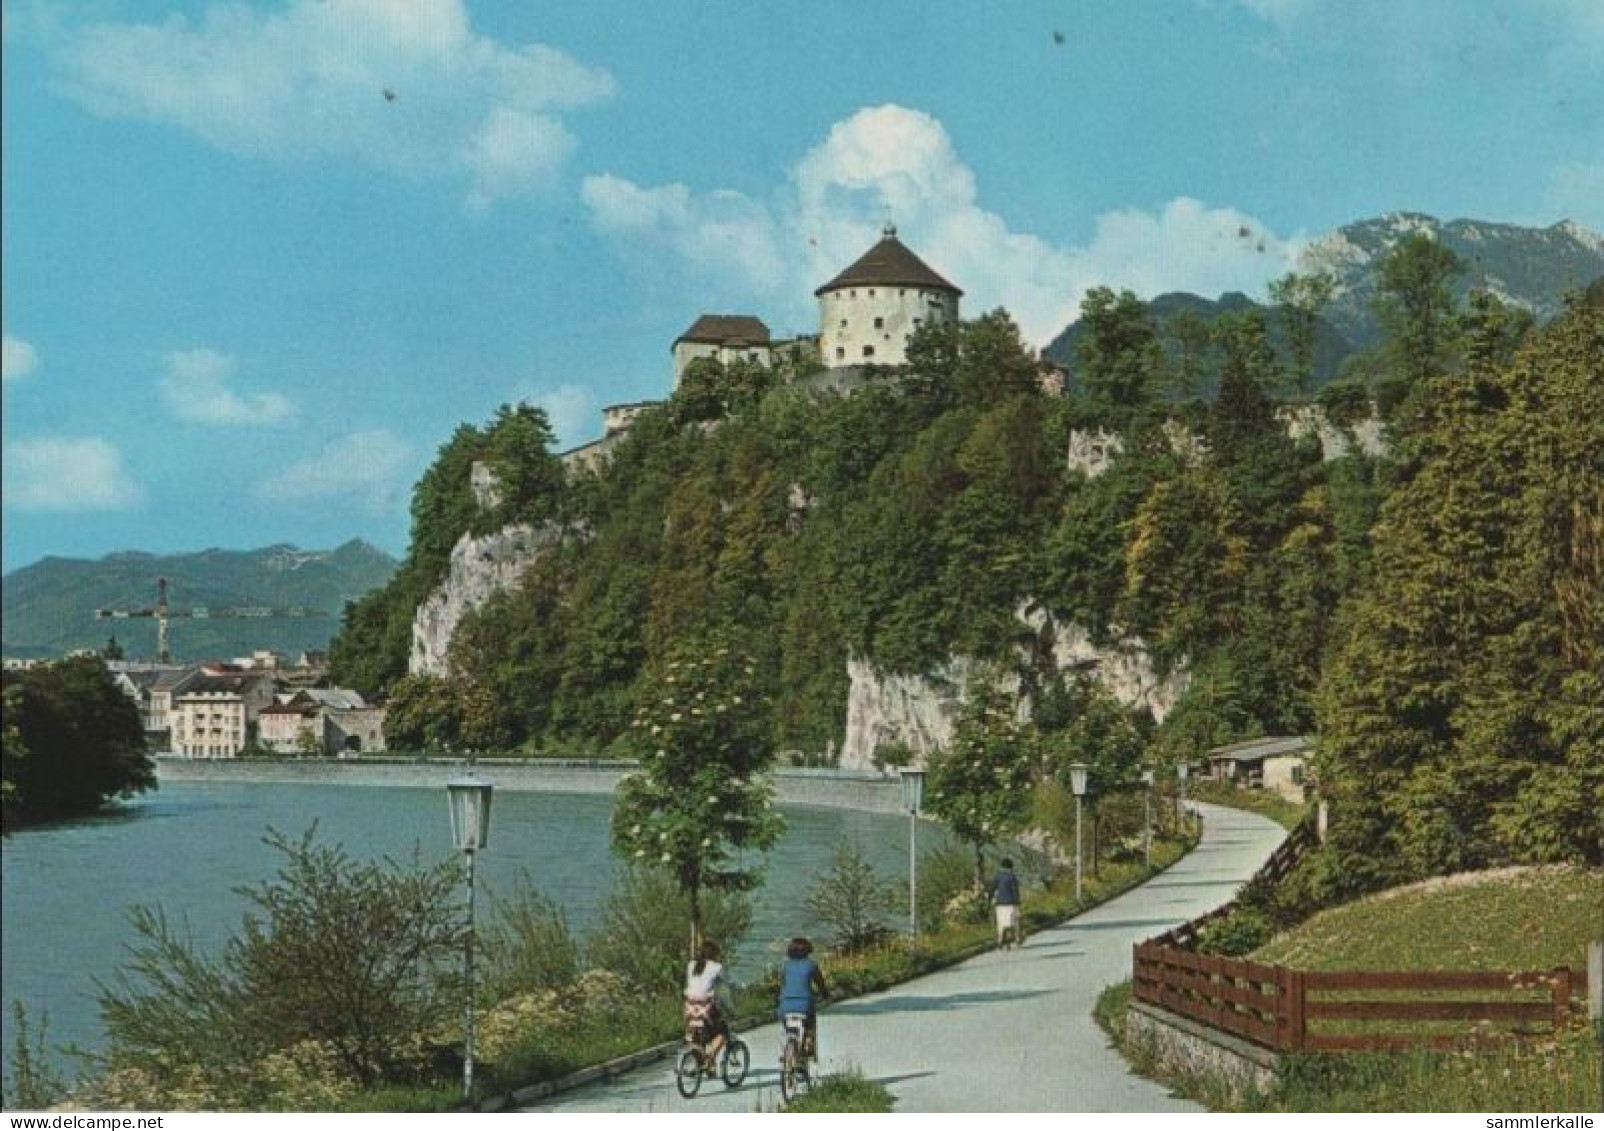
163	613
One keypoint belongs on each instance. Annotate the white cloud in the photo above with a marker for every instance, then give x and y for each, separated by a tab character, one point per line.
892	159
195	389
571	411
67	474
365	468
17	358
406	87
721	235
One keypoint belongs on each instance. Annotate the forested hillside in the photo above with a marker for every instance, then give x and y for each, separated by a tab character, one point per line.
1432	612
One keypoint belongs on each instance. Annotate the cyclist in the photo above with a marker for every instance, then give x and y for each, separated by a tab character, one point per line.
801	986
707	999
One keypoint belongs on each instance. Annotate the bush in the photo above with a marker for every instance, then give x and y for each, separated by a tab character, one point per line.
644	932
343	974
33	1083
530	948
1241	932
947	887
853	900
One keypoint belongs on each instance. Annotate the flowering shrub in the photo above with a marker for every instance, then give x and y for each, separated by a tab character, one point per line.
699	798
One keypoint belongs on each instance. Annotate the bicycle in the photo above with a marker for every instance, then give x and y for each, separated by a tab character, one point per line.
693	1061
794	1074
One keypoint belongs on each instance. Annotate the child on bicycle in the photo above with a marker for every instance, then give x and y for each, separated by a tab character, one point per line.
801	986
707	999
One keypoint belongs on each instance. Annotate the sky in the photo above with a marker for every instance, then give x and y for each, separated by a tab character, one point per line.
261	257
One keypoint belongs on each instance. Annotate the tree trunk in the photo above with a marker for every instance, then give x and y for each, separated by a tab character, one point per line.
697	924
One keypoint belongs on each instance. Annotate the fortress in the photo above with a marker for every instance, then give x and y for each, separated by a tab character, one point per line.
867	314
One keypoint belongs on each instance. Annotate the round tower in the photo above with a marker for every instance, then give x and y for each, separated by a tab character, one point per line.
869	311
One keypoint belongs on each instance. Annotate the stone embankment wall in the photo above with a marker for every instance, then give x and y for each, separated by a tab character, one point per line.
827	788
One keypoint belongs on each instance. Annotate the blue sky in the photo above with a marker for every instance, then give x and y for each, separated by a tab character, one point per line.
259	258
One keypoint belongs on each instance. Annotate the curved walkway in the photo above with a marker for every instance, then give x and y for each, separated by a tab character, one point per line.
1004	1031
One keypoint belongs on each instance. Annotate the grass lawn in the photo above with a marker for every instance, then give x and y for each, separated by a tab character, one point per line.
1510	919
848	1091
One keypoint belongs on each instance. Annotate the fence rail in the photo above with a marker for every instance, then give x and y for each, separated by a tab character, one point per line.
1290	1010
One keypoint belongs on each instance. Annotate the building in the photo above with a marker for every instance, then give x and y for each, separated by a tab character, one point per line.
322	721
725	338
868	312
215	714
1279	765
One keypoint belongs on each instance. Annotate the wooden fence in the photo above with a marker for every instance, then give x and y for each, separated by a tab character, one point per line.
1274	1006
1294	1010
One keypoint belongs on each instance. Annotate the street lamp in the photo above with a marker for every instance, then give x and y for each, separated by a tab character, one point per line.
469	801
1147	817
1077	782
913	795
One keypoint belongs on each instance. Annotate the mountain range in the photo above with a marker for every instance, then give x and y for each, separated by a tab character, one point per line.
49	607
1534	268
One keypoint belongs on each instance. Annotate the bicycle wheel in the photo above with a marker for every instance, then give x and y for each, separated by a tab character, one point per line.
737	1058
791	1067
688	1073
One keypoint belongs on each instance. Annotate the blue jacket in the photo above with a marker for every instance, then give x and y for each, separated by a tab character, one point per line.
1005	889
797	977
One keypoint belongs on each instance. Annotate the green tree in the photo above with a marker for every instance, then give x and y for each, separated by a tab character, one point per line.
981	784
73	741
1416	308
1460	729
699	800
1299	299
1120	358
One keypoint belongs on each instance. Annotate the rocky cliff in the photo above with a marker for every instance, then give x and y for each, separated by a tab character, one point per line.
918	711
480	568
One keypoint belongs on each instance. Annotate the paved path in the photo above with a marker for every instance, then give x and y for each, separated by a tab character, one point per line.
1003	1031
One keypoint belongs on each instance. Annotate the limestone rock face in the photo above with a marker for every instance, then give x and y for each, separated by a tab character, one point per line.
915	710
919	711
480	568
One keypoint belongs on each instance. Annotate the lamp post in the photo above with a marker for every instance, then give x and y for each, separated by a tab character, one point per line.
469	801
1147	818
1077	782
913	795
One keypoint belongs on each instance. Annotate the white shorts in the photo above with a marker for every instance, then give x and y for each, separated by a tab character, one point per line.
1007	916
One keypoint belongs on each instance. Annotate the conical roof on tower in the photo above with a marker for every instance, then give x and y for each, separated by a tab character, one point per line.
889	263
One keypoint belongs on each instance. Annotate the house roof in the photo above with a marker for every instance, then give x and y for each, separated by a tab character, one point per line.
290	709
1258	749
339	697
723	329
889	263
229	683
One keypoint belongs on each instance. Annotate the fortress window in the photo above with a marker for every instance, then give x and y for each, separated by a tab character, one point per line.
843	323
871	292
879	323
868	351
840	352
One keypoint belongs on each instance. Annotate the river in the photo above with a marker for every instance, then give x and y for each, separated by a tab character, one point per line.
67	888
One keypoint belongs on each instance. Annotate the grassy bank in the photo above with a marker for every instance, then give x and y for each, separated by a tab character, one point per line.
1512	919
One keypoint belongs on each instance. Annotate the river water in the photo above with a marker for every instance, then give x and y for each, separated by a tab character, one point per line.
67	888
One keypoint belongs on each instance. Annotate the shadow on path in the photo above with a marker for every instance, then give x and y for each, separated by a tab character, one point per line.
1120	924
909	1003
